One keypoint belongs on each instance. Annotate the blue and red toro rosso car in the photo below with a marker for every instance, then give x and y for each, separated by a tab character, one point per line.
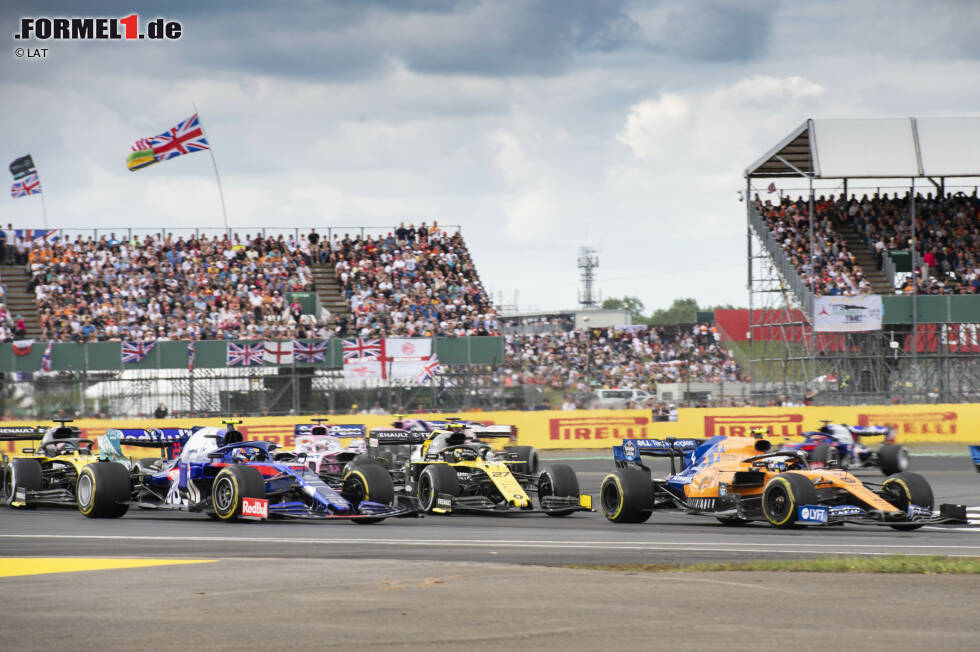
213	470
836	444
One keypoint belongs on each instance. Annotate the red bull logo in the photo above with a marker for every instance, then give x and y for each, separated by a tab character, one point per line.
592	428
779	425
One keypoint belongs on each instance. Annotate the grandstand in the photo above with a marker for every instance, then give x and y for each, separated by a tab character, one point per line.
917	252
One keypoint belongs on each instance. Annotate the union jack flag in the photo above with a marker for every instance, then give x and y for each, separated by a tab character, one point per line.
315	351
186	138
29	186
135	351
190	355
245	355
46	358
363	348
429	370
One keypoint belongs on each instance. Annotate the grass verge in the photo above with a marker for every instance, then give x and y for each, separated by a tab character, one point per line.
924	565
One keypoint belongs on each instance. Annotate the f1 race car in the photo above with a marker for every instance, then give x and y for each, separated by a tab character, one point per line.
527	456
841	445
450	470
216	472
46	473
321	444
740	479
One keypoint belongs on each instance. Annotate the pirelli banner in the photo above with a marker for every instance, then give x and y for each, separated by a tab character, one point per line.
959	423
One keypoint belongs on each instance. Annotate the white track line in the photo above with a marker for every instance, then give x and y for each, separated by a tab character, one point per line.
700	546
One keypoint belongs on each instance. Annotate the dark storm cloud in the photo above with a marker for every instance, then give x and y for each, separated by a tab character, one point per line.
718	30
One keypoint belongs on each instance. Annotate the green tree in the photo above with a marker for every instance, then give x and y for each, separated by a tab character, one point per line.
633	304
682	311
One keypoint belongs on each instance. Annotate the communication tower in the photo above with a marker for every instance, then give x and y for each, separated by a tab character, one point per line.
588	261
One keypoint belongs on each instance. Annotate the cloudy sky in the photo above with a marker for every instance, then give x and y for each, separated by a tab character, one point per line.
538	126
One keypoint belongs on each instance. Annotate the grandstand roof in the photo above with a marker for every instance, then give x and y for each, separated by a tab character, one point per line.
876	149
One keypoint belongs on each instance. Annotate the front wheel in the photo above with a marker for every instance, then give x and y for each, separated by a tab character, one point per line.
436	479
21	474
558	480
231	485
904	489
626	496
783	496
102	490
368	482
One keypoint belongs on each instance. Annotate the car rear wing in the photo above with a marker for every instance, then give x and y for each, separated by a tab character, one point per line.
151	437
393	436
631	450
20	433
870	431
494	432
340	430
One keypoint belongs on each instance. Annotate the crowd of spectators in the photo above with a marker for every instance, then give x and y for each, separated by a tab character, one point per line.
166	287
833	270
634	357
946	238
412	282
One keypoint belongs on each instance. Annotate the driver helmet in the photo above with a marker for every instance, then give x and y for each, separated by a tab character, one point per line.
243	454
759	432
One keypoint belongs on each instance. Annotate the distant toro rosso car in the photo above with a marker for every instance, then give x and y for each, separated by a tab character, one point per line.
320	443
836	444
216	472
741	479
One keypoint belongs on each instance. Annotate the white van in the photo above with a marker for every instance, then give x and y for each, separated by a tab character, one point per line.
616	399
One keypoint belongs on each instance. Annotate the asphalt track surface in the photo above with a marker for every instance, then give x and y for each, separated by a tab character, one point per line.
668	537
481	583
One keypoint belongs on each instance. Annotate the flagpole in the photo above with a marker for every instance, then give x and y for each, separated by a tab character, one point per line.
44	209
217	177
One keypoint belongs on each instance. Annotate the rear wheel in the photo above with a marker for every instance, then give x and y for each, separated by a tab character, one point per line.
558	480
368	482
904	489
102	490
528	456
21	474
783	495
626	496
231	485
436	479
893	459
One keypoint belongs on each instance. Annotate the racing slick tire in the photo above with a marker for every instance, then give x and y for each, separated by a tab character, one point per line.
893	459
558	480
528	456
436	479
102	490
782	497
21	474
902	489
626	496
368	481
231	485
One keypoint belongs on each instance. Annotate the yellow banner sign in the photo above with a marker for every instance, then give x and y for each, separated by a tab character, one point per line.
554	429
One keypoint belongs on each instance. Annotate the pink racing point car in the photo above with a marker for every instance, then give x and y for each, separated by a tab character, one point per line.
322	446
